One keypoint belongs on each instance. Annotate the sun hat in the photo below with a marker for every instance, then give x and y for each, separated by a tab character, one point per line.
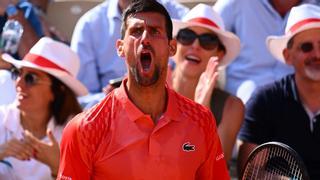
301	18
54	58
204	16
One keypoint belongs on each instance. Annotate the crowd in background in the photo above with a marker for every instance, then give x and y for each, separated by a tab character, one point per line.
246	61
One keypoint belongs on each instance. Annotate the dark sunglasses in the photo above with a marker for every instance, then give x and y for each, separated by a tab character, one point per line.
306	47
29	78
207	41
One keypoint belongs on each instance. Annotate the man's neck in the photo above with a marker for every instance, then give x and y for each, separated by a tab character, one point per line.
284	6
150	100
309	93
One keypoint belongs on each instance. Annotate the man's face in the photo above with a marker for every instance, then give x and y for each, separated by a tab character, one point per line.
146	48
304	55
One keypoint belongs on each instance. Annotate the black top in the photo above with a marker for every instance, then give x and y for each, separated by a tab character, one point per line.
275	113
218	100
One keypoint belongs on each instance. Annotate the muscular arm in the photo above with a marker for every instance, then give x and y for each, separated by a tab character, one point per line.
245	149
232	118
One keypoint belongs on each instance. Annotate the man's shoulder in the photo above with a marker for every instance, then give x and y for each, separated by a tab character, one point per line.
97	116
282	85
276	92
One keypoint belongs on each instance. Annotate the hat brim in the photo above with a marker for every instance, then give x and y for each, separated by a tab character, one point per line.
230	41
276	44
74	84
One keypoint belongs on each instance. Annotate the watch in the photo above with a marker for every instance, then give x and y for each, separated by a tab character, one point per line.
11	10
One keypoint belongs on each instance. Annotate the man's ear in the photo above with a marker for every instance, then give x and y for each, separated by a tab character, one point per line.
120	50
172	47
287	57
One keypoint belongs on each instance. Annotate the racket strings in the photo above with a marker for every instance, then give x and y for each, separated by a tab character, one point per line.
273	163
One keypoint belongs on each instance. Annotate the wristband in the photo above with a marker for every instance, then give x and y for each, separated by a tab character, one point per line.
11	10
6	163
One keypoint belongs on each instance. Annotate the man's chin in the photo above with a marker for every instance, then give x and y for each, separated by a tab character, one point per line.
313	74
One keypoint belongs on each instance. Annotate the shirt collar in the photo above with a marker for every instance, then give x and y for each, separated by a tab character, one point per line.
113	10
135	113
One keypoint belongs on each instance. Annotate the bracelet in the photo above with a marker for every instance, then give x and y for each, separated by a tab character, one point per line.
11	10
6	163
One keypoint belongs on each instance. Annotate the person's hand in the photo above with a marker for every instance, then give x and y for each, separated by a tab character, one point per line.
47	153
207	82
18	149
4	4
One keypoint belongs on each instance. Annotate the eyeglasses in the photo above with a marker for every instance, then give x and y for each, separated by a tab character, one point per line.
29	78
306	47
207	41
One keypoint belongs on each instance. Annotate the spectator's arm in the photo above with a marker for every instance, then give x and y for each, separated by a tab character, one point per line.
245	149
29	36
228	10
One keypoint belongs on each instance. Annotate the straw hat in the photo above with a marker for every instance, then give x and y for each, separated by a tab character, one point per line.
204	16
54	58
301	18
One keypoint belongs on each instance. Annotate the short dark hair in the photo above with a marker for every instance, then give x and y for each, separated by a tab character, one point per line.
65	104
139	6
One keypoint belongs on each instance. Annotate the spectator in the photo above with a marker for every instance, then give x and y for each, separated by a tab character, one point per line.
31	127
200	36
288	110
94	40
143	130
30	15
252	21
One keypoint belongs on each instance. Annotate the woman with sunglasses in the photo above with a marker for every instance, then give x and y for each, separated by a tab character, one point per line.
201	36
31	127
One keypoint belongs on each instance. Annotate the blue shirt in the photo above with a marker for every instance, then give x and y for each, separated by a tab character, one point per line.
94	40
252	21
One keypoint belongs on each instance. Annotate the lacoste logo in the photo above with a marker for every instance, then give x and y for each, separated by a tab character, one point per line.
188	147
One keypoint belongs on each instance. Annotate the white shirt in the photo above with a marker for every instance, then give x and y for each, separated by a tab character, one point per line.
10	127
7	88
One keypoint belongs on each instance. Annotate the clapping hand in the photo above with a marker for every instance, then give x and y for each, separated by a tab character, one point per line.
207	82
16	148
47	153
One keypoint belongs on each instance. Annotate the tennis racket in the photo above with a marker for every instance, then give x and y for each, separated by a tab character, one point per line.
276	161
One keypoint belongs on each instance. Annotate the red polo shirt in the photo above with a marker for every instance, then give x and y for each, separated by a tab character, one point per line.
115	140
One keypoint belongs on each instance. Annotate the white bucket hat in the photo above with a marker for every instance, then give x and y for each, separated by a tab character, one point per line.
204	16
301	18
54	58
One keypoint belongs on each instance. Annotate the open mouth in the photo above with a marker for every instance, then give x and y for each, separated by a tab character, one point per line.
145	60
193	59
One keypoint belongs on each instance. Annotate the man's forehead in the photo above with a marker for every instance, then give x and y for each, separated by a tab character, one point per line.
310	34
146	18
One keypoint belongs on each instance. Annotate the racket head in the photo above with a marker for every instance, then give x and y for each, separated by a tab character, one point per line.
274	160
